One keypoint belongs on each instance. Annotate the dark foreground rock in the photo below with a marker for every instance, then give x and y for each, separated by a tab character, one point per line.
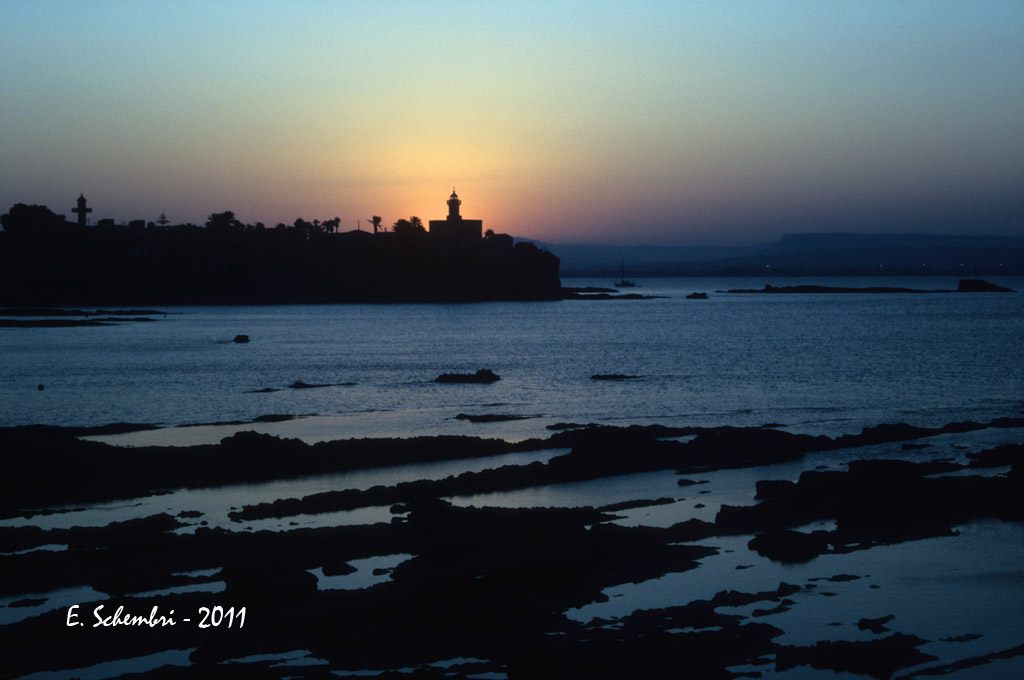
879	658
489	587
43	466
481	583
655	656
874	502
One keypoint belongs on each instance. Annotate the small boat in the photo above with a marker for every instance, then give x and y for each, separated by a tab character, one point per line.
623	282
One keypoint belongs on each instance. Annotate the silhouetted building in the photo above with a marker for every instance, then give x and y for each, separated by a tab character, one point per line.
497	244
455	229
81	210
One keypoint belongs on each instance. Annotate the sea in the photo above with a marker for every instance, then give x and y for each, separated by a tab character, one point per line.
811	363
816	363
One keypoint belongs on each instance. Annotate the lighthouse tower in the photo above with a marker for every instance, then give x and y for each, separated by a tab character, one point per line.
81	210
454	230
453	206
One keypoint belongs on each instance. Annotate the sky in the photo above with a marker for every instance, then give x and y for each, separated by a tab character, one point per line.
698	122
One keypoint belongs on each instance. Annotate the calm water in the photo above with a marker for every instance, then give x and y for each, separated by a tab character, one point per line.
816	363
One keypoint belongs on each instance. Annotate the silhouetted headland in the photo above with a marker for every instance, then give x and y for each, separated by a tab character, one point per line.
46	260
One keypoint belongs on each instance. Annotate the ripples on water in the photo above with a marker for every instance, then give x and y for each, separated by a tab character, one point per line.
817	363
827	364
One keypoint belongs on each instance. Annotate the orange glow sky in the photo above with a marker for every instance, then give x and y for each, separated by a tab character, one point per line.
613	122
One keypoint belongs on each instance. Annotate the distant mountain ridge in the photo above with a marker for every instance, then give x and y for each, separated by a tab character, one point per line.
807	254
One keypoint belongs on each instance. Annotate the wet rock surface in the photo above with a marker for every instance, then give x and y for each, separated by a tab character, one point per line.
487	586
879	658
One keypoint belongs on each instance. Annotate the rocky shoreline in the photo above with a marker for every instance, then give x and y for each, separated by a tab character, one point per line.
485	587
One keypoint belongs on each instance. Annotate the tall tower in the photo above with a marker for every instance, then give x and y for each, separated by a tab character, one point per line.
454	229
82	210
453	206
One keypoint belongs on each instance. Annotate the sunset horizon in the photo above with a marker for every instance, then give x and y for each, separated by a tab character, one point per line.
676	124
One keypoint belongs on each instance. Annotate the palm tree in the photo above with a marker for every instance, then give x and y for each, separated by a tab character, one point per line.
410	227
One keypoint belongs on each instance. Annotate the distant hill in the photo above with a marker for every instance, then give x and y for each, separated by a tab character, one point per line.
812	254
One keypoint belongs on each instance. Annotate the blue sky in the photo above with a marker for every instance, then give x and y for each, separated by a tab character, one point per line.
614	122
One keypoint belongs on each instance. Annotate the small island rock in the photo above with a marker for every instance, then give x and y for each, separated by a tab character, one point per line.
980	286
484	375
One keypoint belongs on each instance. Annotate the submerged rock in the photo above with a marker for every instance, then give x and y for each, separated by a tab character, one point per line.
489	417
876	626
300	385
273	418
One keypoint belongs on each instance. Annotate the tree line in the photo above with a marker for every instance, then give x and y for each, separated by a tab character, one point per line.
47	260
22	218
